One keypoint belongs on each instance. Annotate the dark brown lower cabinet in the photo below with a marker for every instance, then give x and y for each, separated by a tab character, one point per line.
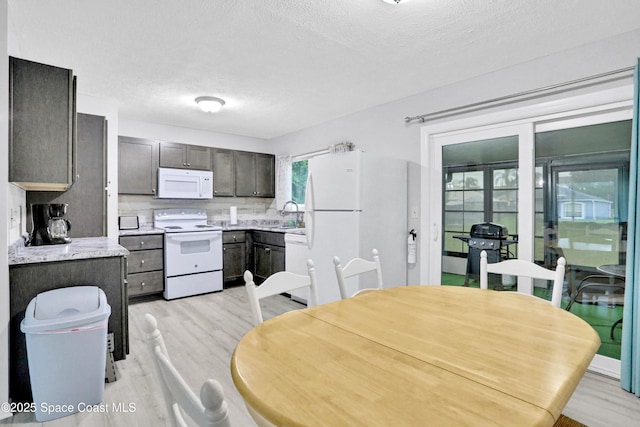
145	265
234	256
28	280
268	254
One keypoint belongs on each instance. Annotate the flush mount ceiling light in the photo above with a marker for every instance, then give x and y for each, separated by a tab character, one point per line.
209	104
395	1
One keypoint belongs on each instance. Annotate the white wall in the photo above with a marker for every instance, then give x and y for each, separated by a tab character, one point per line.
382	129
4	213
16	212
192	136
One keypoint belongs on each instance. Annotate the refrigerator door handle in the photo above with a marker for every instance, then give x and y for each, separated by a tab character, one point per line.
309	225
309	214
309	202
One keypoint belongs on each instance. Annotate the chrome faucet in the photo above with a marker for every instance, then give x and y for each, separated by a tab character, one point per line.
283	212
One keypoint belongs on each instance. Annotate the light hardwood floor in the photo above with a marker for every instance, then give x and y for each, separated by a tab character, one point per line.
201	333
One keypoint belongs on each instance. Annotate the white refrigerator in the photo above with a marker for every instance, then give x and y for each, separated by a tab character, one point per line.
355	202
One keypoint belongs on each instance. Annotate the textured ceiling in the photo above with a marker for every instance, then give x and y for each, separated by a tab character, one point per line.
285	65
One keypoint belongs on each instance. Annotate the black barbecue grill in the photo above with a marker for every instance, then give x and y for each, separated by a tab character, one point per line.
492	238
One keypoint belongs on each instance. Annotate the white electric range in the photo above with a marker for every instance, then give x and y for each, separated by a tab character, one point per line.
192	252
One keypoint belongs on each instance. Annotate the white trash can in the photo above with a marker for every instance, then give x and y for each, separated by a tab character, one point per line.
66	334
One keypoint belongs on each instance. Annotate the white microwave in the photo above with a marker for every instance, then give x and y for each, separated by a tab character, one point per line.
184	184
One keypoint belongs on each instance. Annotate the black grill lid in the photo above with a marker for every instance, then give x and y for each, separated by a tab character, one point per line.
489	230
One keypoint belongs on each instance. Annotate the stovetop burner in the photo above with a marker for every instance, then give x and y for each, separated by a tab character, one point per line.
182	220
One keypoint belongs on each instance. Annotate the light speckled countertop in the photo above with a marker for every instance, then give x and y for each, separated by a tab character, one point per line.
101	247
144	229
79	248
258	227
276	228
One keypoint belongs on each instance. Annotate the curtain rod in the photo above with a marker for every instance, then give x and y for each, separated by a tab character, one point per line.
474	106
310	154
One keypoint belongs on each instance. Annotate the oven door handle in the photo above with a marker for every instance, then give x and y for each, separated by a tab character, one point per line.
189	237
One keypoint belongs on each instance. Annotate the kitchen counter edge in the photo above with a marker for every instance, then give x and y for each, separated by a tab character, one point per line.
78	248
248	227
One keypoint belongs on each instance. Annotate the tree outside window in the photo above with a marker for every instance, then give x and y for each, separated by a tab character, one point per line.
299	171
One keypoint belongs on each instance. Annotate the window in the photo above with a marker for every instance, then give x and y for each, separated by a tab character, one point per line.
464	205
572	210
299	171
477	194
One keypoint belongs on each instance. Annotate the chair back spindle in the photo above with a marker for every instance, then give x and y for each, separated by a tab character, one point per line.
522	268
355	267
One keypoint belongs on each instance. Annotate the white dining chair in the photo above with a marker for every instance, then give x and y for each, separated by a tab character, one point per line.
209	410
522	268
278	283
355	267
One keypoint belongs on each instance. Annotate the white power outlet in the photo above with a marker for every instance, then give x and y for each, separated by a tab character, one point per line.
13	217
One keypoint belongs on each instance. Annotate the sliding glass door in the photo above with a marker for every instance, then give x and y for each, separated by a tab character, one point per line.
481	179
586	166
559	186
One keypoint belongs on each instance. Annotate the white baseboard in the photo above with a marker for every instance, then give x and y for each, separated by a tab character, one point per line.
605	366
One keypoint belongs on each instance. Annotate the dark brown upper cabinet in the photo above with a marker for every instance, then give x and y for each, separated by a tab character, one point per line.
137	166
183	156
223	172
42	126
255	174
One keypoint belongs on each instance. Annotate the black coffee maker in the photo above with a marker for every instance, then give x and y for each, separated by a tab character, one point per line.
49	225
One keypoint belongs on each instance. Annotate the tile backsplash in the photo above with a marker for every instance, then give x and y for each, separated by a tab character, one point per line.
218	208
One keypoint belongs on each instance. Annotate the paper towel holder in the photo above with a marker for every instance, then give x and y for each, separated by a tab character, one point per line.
233	215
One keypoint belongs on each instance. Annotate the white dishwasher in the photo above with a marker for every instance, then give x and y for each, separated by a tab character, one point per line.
295	260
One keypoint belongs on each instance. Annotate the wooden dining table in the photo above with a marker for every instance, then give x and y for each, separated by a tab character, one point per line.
415	356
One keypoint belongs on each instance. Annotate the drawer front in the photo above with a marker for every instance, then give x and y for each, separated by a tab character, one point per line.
145	283
146	241
269	238
140	261
233	236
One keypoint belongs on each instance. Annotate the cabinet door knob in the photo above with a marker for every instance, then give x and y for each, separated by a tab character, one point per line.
184	164
142	284
188	164
141	261
267	250
142	243
224	249
153	190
